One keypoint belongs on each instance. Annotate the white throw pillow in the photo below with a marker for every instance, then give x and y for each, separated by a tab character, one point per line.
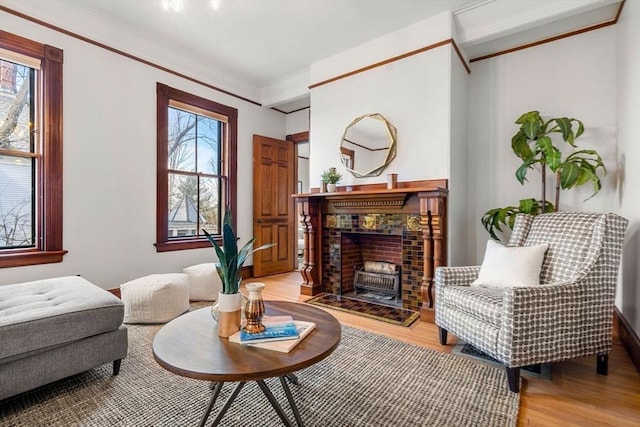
508	267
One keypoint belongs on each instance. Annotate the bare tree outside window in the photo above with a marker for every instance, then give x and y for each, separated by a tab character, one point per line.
17	151
194	178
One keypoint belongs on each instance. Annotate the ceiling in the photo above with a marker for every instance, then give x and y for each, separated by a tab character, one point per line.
263	42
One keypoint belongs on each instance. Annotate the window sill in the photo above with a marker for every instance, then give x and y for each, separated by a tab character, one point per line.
179	245
31	257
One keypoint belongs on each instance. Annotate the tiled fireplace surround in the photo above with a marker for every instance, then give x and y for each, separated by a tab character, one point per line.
405	225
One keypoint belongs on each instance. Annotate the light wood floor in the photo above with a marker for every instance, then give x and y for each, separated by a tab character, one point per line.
576	396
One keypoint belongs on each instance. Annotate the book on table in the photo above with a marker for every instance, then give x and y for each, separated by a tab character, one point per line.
272	332
275	326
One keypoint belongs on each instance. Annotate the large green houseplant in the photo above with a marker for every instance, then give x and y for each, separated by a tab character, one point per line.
533	144
227	309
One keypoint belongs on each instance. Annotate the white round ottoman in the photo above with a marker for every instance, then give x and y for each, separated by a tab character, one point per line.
204	282
156	298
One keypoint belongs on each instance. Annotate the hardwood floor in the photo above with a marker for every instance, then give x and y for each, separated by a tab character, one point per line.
576	396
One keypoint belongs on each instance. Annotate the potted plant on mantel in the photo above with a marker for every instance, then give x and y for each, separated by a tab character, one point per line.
331	177
532	143
228	307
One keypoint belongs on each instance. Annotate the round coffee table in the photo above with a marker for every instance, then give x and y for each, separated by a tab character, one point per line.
189	346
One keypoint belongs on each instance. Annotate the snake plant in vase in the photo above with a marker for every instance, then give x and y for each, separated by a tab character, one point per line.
227	310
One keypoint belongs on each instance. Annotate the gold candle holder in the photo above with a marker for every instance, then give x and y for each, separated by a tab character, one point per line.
254	310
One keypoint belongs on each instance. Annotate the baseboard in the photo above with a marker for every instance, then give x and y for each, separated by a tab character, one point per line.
627	337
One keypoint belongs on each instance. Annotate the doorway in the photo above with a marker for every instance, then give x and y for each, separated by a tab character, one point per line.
301	141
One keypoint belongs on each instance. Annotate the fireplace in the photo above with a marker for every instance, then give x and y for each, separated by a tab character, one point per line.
358	249
405	226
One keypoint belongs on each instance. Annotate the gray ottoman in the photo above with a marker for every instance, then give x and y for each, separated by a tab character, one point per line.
51	329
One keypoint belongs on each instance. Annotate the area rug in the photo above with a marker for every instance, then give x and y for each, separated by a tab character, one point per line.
368	381
541	370
395	315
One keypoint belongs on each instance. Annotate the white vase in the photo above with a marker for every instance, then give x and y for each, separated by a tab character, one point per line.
331	188
227	311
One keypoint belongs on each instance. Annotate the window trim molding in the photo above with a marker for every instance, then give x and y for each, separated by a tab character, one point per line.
49	247
164	94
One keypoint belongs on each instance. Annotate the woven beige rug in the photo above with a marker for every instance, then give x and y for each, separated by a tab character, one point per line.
369	380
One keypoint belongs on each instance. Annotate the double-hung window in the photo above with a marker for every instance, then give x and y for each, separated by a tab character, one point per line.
196	168
30	152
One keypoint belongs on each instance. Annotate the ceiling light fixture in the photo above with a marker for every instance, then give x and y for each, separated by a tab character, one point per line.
215	4
173	5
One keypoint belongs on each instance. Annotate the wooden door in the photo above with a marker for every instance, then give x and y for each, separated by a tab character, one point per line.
273	209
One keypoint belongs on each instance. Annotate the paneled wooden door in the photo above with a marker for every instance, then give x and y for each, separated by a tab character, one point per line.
273	207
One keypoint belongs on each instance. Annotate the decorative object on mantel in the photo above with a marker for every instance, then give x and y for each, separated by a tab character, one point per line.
254	310
578	168
227	310
392	181
369	142
331	177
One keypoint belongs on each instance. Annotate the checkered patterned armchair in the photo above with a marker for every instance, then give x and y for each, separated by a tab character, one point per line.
569	315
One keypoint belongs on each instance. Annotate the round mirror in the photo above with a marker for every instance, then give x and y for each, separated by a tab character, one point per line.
368	145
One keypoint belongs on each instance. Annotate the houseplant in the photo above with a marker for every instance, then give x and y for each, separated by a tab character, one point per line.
331	177
533	144
229	265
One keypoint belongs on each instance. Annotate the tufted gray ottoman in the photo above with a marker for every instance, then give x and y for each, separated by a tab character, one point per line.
51	329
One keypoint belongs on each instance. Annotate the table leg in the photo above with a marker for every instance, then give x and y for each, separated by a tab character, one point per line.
216	387
292	404
227	404
274	403
293	379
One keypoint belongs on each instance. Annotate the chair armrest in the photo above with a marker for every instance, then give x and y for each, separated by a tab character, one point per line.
458	276
561	321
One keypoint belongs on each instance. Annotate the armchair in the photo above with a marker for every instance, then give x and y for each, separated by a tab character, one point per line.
568	315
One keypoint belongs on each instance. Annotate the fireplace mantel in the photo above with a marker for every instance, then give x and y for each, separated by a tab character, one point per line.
421	204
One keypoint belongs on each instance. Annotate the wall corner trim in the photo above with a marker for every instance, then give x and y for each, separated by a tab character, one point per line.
628	337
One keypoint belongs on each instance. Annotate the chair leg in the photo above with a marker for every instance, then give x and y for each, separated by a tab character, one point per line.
442	333
513	375
116	366
602	364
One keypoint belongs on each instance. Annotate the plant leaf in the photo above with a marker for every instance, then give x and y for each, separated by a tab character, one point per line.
521	172
565	127
530	128
528	117
520	146
552	155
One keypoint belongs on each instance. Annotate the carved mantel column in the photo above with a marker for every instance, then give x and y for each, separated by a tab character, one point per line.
433	217
310	217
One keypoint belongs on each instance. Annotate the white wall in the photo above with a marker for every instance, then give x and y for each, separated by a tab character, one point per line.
110	161
413	94
628	111
573	77
298	122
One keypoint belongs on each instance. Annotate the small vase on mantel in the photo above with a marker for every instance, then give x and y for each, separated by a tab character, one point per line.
254	309
331	188
228	313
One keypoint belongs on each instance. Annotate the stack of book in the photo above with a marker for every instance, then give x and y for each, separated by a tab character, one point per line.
281	333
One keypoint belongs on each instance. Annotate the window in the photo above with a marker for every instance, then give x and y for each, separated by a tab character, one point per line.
30	152
196	168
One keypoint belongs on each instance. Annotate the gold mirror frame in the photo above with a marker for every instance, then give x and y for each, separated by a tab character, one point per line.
376	133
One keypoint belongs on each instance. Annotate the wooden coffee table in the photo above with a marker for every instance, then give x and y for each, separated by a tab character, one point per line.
189	346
